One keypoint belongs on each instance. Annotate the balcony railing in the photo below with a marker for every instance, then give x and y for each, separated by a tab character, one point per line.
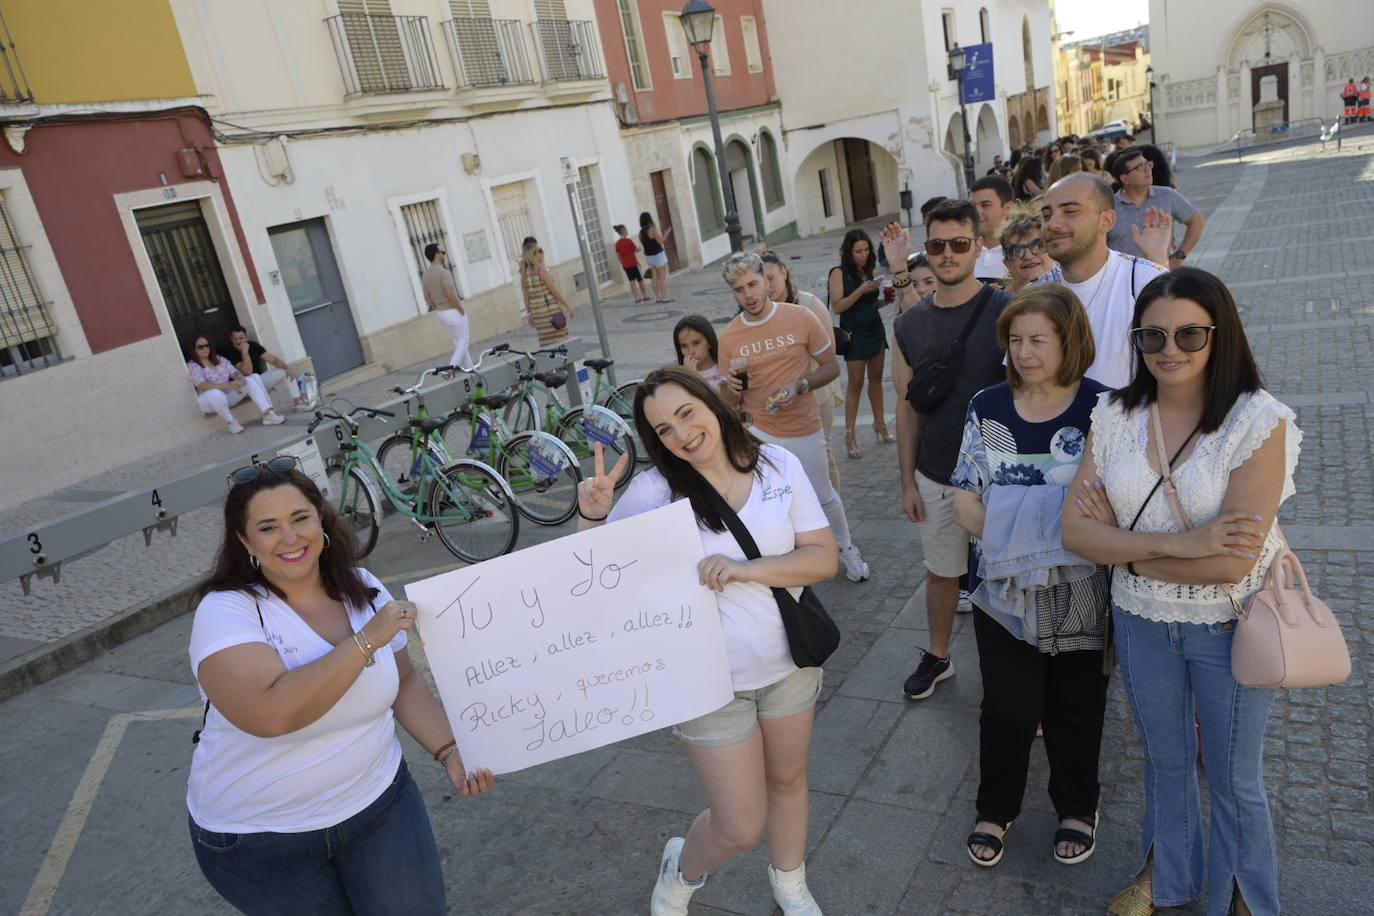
568	49
379	53
14	87
488	52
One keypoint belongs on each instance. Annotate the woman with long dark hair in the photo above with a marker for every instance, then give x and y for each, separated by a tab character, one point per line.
1184	473
655	256
299	800
855	297
698	348
750	754
1026	184
220	386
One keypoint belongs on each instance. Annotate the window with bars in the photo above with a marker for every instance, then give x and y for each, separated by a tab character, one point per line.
591	225
710	219
634	45
424	226
753	54
28	338
769	170
380	52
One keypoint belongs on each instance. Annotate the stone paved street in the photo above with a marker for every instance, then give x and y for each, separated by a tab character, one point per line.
96	760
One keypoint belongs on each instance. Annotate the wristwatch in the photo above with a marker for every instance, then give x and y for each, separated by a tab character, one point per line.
805	385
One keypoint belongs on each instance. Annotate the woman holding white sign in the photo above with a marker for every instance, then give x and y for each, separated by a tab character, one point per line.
299	800
751	753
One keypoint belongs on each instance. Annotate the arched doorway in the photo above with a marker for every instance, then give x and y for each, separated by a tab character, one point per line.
845	180
739	171
1042	120
988	140
1014	132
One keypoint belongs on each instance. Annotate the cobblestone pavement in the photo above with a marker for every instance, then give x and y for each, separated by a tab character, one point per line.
94	814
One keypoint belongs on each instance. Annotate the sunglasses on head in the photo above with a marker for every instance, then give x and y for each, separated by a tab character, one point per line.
961	245
251	472
1020	250
1190	338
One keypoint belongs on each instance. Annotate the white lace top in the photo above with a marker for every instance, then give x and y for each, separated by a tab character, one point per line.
1119	451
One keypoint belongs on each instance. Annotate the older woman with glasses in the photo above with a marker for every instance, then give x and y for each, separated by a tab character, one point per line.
1040	611
220	386
299	800
1023	247
1196	414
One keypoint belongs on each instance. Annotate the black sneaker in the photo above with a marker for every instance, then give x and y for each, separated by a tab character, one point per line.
931	671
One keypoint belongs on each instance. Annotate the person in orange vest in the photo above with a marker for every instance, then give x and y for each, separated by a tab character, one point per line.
1364	99
1350	97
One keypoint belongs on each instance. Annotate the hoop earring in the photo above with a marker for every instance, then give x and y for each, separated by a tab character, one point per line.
326	542
254	562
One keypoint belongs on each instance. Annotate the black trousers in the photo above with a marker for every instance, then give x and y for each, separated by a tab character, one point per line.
1023	687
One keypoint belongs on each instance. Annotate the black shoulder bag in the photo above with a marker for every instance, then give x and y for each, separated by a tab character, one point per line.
844	338
812	635
933	378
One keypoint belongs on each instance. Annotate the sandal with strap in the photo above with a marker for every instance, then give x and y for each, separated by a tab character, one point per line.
991	841
1136	900
851	444
1078	837
880	430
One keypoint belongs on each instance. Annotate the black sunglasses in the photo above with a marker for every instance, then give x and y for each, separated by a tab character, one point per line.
1019	251
1190	338
251	472
960	245
202	346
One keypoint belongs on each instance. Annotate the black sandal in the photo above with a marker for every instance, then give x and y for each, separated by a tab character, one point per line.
991	841
1072	835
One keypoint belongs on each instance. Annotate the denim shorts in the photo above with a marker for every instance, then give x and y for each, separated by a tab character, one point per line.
739	719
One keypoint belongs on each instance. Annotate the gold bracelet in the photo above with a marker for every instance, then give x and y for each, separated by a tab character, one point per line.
364	646
440	752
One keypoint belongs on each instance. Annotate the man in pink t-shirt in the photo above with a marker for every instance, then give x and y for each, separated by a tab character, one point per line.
776	342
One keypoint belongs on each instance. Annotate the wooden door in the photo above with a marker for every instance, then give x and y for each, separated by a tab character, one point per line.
188	272
664	216
863	196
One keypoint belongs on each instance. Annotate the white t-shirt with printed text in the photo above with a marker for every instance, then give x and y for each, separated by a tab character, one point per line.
316	776
781	503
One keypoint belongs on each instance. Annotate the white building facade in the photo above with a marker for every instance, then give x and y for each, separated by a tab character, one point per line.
1230	67
356	132
895	123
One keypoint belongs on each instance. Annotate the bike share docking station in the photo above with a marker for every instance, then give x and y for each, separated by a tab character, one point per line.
41	549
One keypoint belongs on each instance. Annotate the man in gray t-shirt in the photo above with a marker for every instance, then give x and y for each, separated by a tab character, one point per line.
1138	195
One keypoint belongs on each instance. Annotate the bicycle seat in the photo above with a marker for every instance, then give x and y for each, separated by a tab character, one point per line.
494	401
429	424
552	379
598	364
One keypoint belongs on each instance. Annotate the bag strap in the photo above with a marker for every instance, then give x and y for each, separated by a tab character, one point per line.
1166	468
732	521
983	298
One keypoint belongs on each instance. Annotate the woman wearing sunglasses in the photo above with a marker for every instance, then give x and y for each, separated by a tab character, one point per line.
220	386
545	308
1194	413
299	800
1023	248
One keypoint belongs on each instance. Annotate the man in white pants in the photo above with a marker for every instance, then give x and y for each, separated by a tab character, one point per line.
252	359
776	342
441	293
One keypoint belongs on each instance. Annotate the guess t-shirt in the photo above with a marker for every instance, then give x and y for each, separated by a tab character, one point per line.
780	504
313	777
779	348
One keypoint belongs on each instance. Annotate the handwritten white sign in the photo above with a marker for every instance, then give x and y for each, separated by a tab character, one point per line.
576	643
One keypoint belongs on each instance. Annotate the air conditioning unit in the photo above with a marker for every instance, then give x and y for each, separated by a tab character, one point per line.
631	115
622	95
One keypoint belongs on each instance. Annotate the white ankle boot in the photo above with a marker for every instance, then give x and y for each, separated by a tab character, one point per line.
789	890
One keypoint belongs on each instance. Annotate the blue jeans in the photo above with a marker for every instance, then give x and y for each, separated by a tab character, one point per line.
381	860
1167	668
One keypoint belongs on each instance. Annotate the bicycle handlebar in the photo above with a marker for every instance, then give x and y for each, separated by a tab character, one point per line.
326	413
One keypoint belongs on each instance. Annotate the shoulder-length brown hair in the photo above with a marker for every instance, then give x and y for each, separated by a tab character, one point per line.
233	571
1059	304
683	479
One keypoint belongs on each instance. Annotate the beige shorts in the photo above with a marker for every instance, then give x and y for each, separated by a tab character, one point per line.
739	719
943	542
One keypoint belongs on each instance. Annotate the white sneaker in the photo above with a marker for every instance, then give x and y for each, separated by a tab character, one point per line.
789	890
671	893
855	569
235	427
965	606
272	418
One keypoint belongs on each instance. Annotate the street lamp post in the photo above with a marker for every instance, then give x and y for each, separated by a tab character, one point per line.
698	20
957	58
1154	124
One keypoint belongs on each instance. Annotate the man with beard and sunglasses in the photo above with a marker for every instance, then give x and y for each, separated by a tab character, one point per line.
928	442
1079	211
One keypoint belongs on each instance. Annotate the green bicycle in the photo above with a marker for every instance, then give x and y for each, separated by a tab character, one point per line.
401	454
465	502
543	473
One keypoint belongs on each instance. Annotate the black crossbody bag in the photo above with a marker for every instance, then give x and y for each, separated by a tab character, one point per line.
933	378
812	636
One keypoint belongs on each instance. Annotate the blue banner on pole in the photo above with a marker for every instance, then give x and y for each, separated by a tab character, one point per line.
978	77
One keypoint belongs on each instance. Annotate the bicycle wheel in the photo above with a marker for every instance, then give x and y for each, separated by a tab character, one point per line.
461	439
622	401
474	514
522	414
543	475
353	496
605	427
403	470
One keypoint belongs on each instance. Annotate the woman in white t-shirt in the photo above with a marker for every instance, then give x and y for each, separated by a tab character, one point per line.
298	799
750	754
1232	448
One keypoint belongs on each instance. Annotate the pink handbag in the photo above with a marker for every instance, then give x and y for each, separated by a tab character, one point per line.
1285	635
